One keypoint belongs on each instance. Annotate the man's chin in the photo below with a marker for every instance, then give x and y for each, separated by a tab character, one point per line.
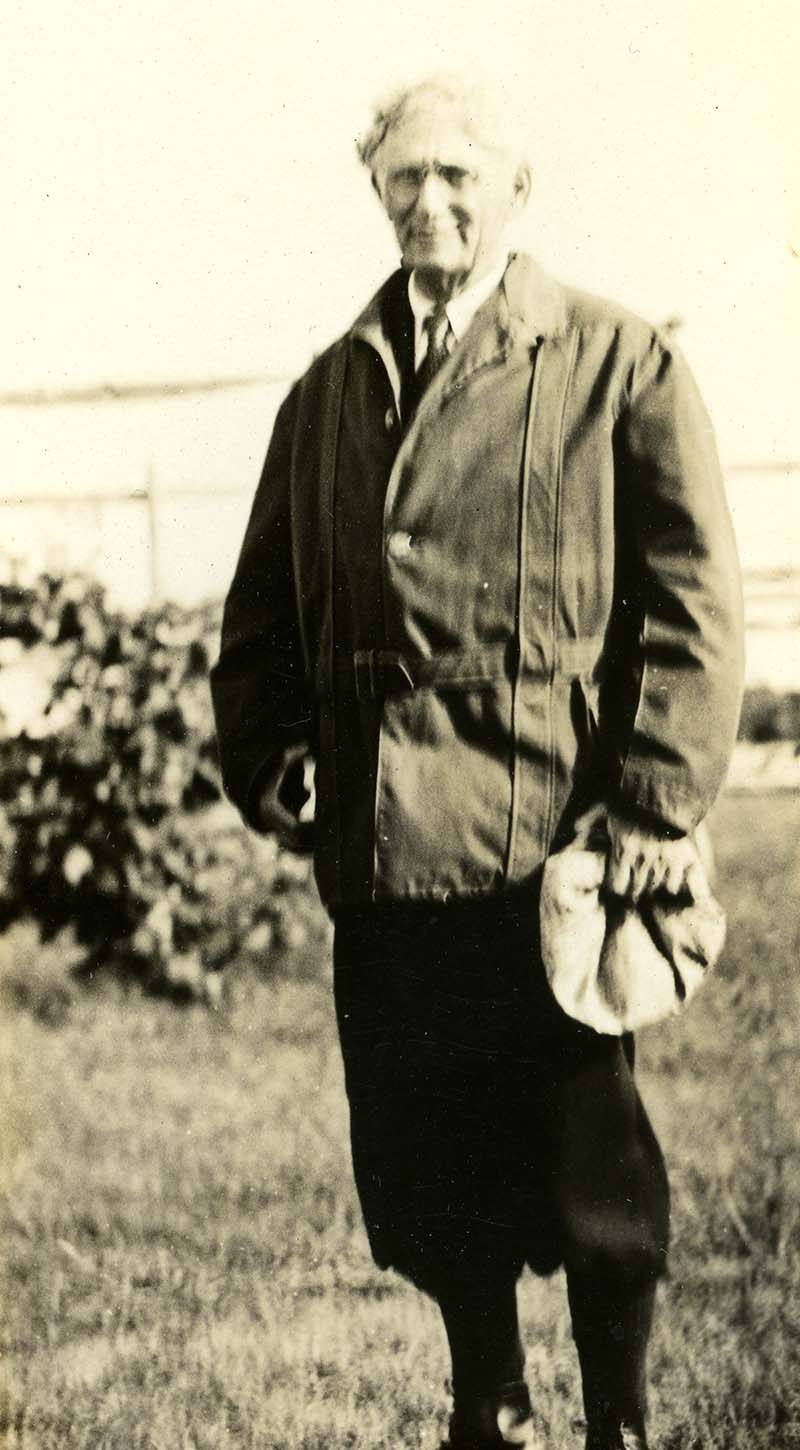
438	275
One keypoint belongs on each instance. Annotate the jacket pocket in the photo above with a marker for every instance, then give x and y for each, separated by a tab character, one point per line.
444	791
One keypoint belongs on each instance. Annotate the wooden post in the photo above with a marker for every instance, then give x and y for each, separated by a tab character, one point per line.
152	532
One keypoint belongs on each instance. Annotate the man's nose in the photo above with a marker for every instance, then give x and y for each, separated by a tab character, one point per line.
432	196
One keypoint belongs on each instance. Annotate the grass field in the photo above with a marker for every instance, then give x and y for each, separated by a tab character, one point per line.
185	1266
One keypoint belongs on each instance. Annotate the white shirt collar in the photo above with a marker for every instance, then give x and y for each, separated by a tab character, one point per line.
460	309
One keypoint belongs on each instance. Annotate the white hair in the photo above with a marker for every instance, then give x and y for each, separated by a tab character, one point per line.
490	116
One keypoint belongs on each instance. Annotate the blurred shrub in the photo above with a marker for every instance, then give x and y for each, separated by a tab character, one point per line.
109	792
35	976
770	715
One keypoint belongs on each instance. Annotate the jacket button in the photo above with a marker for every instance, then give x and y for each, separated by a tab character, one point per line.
399	545
389	419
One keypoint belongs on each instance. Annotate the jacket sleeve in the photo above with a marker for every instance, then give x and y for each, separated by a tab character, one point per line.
683	581
258	687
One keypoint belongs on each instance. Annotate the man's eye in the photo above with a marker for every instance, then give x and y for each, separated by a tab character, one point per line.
408	176
455	176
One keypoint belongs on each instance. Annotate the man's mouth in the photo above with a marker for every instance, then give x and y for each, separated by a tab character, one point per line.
429	236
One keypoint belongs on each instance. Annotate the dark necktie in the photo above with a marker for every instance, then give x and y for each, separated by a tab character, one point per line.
439	332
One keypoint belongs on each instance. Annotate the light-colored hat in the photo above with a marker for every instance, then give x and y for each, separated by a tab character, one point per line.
617	965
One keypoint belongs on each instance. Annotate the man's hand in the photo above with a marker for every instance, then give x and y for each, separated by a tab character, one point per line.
642	861
287	800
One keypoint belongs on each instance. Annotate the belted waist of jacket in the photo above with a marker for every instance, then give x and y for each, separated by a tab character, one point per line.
376	673
480	617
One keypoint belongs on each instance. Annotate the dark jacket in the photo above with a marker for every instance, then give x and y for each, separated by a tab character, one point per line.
527	598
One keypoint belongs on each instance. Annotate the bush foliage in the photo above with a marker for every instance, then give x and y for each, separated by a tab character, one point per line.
769	715
109	816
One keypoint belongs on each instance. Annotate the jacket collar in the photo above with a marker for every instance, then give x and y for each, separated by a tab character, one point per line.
529	305
536	301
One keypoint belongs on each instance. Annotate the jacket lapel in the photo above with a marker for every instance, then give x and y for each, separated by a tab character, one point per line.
387	324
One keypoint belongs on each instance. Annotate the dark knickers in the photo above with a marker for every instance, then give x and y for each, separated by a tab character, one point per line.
488	1129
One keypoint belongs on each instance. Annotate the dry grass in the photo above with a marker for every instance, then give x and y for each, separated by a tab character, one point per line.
186	1269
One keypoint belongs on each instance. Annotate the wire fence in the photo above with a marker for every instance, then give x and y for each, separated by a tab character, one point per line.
144	485
57	531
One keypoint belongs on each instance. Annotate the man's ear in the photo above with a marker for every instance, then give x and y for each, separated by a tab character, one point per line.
523	183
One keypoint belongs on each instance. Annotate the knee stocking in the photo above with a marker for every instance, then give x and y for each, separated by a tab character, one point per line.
611	1327
483	1334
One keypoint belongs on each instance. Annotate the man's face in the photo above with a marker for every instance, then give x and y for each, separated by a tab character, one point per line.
449	198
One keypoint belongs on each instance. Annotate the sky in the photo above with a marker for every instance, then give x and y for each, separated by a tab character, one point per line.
183	200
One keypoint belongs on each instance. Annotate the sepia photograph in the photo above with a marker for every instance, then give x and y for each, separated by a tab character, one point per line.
400	726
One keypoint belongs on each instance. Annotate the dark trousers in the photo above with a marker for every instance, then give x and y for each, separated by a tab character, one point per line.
490	1131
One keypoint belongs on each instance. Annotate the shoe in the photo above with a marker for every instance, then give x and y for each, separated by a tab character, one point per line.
624	1435
525	1439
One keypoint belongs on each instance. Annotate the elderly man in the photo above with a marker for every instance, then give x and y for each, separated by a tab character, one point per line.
488	579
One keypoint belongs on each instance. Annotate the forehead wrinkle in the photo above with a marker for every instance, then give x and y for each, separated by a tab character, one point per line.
406	144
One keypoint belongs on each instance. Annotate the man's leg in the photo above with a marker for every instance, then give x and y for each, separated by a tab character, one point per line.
491	1403
611	1326
614	1210
435	1025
